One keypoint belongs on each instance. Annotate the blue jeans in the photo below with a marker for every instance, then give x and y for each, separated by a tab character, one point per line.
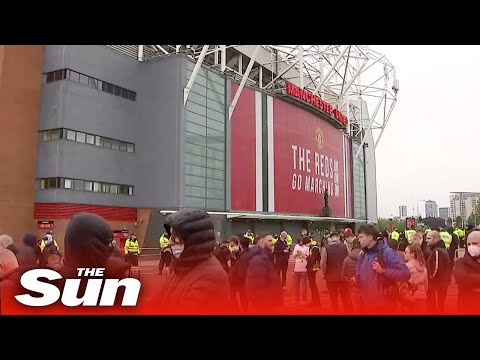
300	279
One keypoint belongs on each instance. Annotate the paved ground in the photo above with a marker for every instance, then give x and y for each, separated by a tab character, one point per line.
151	279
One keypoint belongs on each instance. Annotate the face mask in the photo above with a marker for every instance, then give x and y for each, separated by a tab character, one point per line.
177	250
474	250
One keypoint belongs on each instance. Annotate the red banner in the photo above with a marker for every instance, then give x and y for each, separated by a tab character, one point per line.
309	160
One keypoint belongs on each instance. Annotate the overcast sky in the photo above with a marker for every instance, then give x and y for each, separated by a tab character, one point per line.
430	146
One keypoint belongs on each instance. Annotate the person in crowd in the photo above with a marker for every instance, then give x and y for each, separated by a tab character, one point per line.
438	266
48	243
349	271
26	256
234	247
8	262
132	250
29	252
377	266
454	245
349	238
281	253
467	275
300	254
313	265
393	244
238	274
418	275
223	255
262	283
54	261
116	252
197	282
5	241
331	263
165	255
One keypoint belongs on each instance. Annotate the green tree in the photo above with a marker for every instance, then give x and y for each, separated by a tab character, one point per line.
382	223
477	211
458	221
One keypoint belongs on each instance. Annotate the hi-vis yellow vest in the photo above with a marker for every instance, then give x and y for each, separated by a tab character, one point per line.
447	238
131	246
395	235
409	234
163	241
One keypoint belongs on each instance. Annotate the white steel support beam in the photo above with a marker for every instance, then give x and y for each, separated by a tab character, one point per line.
223	58
186	91
260	77
177	48
350	82
383	129
159	47
242	83
281	74
140	52
320	69
332	68
372	118
300	64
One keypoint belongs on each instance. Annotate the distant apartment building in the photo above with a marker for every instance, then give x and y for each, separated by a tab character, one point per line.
431	208
402	210
443	212
463	204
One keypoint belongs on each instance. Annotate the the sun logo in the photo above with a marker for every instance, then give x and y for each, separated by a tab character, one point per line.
319	138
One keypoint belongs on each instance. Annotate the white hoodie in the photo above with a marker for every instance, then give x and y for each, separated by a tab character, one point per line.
300	253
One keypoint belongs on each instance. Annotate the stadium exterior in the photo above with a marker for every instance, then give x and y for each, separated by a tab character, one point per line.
254	134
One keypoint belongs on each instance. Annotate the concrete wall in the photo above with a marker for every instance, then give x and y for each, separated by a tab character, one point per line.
20	79
153	123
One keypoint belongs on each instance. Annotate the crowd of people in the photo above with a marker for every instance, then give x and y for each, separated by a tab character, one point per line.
366	271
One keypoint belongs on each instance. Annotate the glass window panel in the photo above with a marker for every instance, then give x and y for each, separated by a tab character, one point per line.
215	115
106	143
50	77
123	146
196	129
55	134
117	90
130	148
78	185
71	135
201	80
195	180
216	125
83	79
211	104
215	184
194	202
132	95
88	186
213	143
198	109
195	170
215	174
199	89
195	160
219	98
97	140
215	194
196	118
195	191
216	135
96	186
115	145
197	99
80	137
113	189
196	139
215	154
196	149
216	87
93	83
123	189
215	77
105	188
125	93
90	139
45	136
60	74
130	190
68	183
215	204
42	184
215	164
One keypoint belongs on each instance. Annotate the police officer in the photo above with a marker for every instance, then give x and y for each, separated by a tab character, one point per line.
408	234
313	265
132	250
48	243
249	235
165	254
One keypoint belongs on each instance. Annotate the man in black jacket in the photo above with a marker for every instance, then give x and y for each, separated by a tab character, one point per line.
281	253
238	273
262	284
313	265
438	267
